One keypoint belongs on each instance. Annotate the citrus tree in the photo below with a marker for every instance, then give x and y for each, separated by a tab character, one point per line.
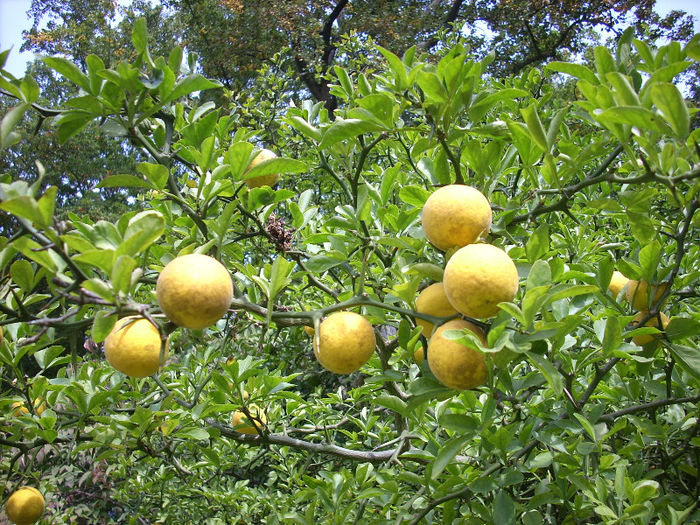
248	344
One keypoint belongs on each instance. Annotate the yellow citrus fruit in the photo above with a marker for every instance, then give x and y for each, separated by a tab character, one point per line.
453	364
263	180
477	278
433	301
642	340
639	294
617	283
309	330
133	347
247	426
194	290
345	342
25	506
1	335
419	355
21	408
455	215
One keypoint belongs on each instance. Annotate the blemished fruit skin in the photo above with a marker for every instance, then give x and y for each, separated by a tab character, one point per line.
344	343
617	283
477	278
455	215
638	294
263	180
194	291
433	301
133	347
25	506
642	340
239	418
453	364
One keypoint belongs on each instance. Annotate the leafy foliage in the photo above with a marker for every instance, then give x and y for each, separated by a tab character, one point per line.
577	424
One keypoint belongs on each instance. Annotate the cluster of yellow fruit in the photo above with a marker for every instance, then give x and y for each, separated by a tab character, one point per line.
641	296
477	277
25	506
193	291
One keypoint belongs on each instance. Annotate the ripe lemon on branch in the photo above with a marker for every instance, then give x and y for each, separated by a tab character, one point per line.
25	506
133	347
241	423
640	295
642	340
477	278
617	282
453	364
433	301
455	215
263	180
344	343
194	291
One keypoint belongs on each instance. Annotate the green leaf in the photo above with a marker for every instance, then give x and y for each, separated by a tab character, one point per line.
669	100
550	373
503	509
304	127
102	325
413	195
139	36
322	262
638	117
572	291
25	207
22	274
689	357
102	259
586	426
575	70
121	273
188	85
69	70
397	67
157	174
534	126
8	123
613	335
682	328
393	403
432	86
144	228
447	453
123	181
538	243
604	62
540	275
344	129
276	165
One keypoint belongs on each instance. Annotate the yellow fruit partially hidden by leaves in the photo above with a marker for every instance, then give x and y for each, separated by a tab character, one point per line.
453	364
25	506
455	215
21	408
247	426
617	283
433	301
1	335
477	278
345	342
194	290
133	347
642	340
309	330
419	355
263	180
639	294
